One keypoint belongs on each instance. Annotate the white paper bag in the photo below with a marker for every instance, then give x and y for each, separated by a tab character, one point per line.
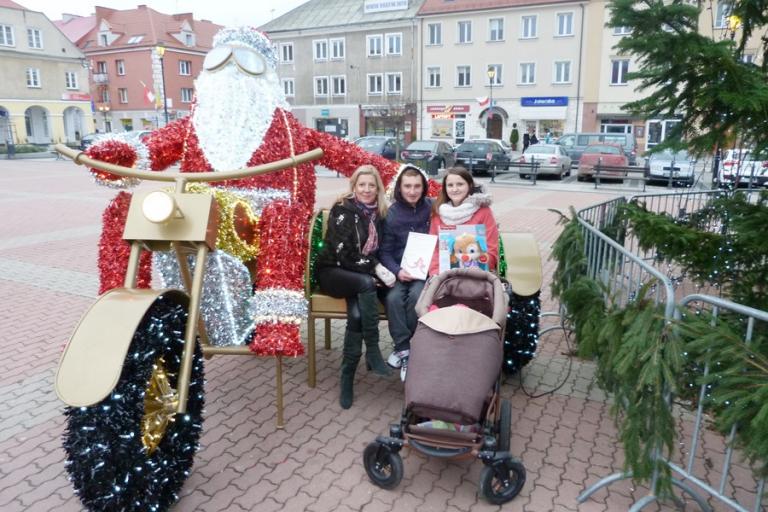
418	254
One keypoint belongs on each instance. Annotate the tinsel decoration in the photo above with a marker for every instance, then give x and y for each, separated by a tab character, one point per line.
113	151
316	235
238	233
108	464
226	304
521	336
248	37
279	305
114	251
166	145
502	259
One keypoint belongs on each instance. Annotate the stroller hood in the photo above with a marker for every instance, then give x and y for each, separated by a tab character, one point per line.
479	290
455	320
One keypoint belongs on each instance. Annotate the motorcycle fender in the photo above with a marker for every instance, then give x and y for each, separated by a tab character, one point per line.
92	361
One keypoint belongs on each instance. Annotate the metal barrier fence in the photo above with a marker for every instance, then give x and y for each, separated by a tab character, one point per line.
623	268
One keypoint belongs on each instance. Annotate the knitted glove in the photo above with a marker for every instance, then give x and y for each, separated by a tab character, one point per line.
383	273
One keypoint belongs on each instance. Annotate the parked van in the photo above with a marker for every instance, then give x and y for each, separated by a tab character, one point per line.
574	144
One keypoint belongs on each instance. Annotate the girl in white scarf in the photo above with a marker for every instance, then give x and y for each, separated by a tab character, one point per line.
461	202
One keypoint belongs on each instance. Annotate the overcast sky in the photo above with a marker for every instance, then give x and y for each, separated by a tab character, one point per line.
223	12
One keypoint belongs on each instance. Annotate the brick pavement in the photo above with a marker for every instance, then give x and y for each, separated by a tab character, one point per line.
51	214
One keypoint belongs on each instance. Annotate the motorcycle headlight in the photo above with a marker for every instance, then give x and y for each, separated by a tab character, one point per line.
158	206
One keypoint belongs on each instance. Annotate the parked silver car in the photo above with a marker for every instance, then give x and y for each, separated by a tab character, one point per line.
678	166
552	159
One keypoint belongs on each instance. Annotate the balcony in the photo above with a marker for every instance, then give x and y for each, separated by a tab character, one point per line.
100	78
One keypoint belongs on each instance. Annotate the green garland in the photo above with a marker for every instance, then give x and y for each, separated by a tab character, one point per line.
316	245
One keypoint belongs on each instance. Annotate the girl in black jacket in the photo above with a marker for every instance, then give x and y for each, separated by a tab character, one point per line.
348	267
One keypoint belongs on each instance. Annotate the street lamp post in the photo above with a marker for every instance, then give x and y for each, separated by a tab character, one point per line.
104	109
489	116
160	50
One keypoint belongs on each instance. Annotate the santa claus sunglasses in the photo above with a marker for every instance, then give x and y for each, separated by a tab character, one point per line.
246	59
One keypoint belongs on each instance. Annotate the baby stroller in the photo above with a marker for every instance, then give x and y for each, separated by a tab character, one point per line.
452	404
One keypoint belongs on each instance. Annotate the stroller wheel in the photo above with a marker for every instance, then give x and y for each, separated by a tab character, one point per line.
384	467
504	425
500	483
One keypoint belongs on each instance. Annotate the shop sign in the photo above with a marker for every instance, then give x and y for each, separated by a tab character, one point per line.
325	112
544	101
448	109
371	6
76	96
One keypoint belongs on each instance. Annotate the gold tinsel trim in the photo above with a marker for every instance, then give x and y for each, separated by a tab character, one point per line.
228	239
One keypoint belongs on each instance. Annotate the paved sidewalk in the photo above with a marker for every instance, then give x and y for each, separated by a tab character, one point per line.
51	214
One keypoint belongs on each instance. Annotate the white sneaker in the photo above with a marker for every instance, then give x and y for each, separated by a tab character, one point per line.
403	368
395	359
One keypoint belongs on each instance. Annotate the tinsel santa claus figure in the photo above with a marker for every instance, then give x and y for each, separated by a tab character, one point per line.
240	119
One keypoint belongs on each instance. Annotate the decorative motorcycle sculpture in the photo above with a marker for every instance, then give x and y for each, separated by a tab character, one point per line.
132	372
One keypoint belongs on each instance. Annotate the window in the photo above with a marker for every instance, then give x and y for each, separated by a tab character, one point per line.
528	29
619	70
33	77
562	72
321	52
35	38
465	32
70	78
565	24
286	52
621	31
723	13
120	66
6	35
339	84
105	95
101	66
748	58
337	49
185	67
394	44
321	86
132	40
394	83
497	74
189	40
122	94
186	94
104	41
374	46
496	29
527	73
375	84
435	34
433	76
463	76
289	88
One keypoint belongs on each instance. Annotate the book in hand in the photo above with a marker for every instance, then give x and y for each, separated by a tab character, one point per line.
418	254
464	246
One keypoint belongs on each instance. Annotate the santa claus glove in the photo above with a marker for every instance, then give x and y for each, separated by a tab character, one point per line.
383	273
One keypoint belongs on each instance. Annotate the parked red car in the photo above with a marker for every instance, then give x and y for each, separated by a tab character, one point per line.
609	155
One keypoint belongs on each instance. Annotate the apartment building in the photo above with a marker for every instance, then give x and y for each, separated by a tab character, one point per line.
522	56
350	67
44	95
142	63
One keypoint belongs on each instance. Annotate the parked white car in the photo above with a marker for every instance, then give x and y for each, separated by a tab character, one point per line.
677	164
552	159
739	167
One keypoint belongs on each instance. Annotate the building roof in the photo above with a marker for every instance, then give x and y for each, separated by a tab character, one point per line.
12	5
155	27
335	13
75	27
455	6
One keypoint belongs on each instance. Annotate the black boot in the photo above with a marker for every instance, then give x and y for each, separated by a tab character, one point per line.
351	353
369	313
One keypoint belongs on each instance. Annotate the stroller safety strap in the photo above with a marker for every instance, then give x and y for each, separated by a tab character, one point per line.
455	320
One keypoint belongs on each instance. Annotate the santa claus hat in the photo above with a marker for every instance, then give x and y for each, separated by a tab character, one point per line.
248	37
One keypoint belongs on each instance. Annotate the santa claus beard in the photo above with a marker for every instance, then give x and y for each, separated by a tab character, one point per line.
233	112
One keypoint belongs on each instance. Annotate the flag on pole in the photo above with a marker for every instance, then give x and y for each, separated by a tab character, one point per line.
484	101
149	96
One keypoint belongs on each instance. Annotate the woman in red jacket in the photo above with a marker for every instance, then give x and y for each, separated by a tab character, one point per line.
461	202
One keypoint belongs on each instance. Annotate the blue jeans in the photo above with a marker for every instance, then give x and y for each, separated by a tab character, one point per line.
401	312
